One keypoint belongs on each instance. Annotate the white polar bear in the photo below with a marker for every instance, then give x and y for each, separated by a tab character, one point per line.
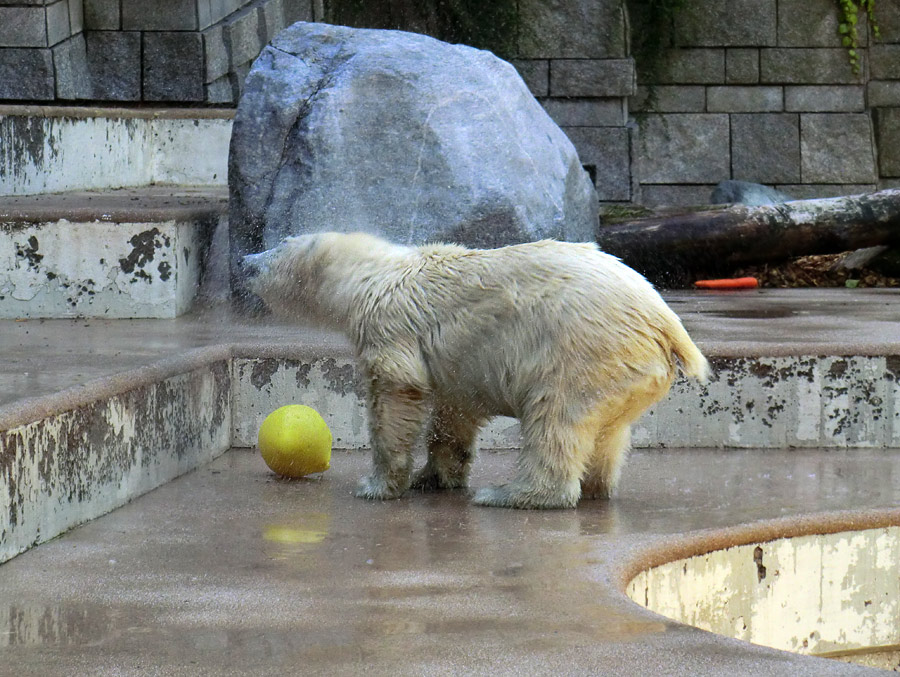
565	338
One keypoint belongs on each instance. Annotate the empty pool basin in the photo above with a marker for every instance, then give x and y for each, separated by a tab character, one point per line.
835	595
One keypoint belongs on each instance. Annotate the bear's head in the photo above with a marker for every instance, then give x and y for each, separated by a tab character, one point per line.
314	277
287	276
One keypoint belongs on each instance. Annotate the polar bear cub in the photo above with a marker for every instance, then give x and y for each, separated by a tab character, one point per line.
565	338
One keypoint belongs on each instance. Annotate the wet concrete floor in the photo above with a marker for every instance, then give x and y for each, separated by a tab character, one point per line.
231	571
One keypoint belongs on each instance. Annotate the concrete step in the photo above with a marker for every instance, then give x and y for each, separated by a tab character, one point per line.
127	253
53	149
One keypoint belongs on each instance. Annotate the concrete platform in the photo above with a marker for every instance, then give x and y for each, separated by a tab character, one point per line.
230	571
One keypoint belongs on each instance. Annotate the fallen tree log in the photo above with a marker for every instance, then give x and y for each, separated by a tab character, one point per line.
672	250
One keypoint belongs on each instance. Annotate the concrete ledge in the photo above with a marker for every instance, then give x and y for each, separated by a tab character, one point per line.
65	269
750	402
119	254
70	467
47	149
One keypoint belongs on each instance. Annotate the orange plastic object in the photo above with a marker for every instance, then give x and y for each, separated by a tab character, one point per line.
728	283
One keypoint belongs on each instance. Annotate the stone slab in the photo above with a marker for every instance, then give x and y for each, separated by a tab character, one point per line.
160	15
884	93
76	16
825	99
611	112
27	74
592	77
536	74
765	148
884	62
58	27
216	54
173	66
298	10
243	37
670	99
810	23
271	19
605	152
692	67
888	15
741	99
887	129
114	62
810	191
741	66
837	148
102	15
221	91
727	23
23	27
683	148
73	79
651	195
808	67
554	29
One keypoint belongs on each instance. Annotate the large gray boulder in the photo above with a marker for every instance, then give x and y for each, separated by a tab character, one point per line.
401	135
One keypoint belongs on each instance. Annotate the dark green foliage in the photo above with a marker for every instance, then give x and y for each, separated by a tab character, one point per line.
651	33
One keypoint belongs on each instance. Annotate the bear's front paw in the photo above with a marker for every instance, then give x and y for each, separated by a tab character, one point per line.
596	490
512	496
375	488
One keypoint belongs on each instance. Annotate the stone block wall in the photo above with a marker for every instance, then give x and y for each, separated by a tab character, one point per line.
184	51
763	91
573	54
759	90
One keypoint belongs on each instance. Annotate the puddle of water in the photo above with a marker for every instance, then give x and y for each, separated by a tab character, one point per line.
55	625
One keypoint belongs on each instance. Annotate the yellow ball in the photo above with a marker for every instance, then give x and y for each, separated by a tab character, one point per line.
295	441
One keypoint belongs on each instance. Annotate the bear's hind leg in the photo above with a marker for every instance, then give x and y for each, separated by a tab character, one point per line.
550	466
396	416
451	448
612	441
604	467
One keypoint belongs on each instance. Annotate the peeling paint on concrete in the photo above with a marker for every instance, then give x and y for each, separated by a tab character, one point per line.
803	401
63	470
749	402
810	594
329	388
45	154
99	269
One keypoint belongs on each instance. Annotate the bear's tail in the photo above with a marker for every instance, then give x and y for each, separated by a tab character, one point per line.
692	362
